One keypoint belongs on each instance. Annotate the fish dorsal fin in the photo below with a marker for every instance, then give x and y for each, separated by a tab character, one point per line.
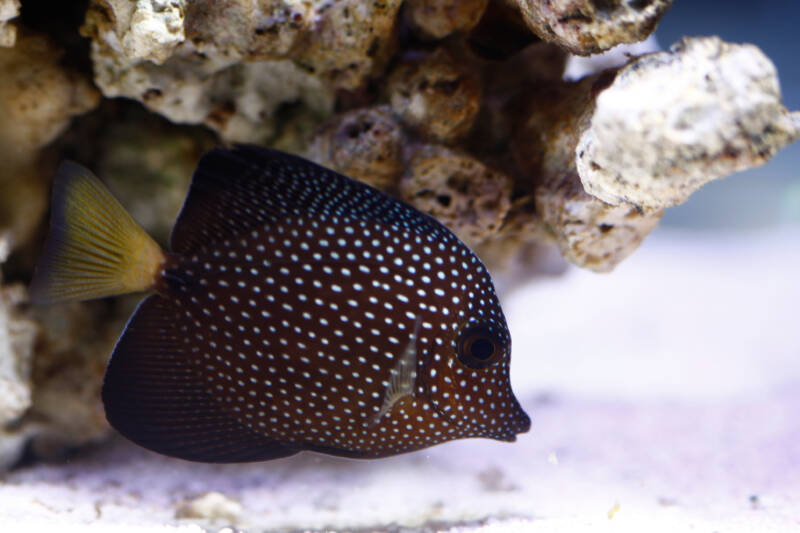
155	396
94	248
237	190
402	376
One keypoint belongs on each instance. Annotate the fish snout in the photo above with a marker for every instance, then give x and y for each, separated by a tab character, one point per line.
520	423
523	422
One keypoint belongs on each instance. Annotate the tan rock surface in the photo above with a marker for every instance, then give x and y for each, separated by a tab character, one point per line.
438	96
366	144
464	194
439	18
589	232
8	32
38	99
38	96
590	26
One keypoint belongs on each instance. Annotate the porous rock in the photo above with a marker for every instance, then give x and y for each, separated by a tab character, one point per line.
470	198
439	18
437	96
38	96
717	110
23	200
232	65
343	41
267	29
9	9
365	144
238	100
51	369
153	28
587	27
588	231
195	80
350	40
38	99
522	248
508	87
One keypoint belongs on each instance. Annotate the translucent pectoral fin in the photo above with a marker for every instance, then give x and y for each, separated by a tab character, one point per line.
402	376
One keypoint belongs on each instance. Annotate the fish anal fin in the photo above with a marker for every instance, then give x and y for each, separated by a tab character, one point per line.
94	248
155	396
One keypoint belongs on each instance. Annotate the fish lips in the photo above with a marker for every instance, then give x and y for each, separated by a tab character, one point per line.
521	424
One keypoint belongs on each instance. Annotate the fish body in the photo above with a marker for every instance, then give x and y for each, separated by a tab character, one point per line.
297	310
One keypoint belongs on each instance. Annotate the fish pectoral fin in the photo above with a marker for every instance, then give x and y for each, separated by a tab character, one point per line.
401	378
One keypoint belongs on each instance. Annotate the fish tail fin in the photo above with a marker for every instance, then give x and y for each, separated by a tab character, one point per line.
94	248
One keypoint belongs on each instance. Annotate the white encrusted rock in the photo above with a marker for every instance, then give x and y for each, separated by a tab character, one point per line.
236	99
17	335
674	120
146	53
155	30
17	338
212	506
231	65
9	9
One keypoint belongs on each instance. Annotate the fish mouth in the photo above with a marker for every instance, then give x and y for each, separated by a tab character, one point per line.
522	424
519	422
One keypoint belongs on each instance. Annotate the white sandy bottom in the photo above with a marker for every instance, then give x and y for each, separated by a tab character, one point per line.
664	397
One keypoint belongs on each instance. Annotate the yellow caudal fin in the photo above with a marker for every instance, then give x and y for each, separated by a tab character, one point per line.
94	248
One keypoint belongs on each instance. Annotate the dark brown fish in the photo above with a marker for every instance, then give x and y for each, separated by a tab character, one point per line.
298	310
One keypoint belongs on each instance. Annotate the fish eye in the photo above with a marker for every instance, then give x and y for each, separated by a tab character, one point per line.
479	346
